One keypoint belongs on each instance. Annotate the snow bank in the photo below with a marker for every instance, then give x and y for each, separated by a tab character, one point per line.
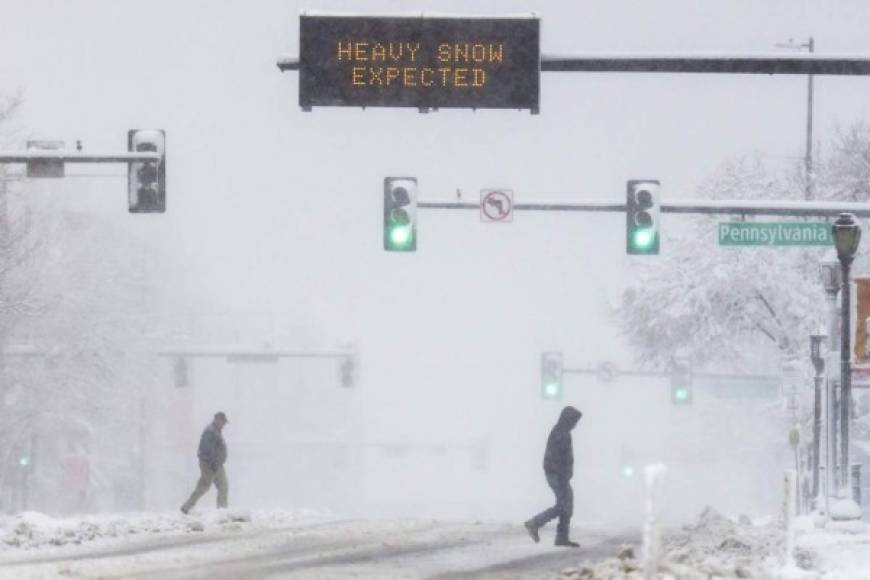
839	550
32	530
713	546
845	509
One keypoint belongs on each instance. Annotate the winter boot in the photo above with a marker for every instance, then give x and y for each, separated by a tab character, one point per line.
562	535
565	542
532	529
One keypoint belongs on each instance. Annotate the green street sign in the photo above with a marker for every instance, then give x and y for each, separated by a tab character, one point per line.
775	234
743	389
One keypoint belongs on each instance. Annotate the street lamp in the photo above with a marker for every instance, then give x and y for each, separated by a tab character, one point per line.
847	234
810	45
831	276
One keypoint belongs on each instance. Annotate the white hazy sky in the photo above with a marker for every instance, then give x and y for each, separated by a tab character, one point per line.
275	214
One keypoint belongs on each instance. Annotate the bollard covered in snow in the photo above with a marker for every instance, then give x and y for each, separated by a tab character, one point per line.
789	497
652	527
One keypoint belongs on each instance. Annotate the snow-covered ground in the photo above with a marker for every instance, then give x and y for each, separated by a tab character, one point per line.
278	544
719	547
30	531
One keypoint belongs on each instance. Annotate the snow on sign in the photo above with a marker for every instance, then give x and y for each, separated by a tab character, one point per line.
775	234
376	61
496	205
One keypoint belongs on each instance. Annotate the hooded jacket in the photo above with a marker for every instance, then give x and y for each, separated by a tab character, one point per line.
559	456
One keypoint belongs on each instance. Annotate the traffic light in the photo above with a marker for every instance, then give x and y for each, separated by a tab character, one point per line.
681	385
400	214
347	371
551	376
180	372
24	461
146	180
627	462
642	216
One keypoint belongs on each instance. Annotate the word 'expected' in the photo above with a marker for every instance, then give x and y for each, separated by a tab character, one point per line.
436	68
412	76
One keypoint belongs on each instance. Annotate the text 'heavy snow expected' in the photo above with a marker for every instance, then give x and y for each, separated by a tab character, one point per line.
419	62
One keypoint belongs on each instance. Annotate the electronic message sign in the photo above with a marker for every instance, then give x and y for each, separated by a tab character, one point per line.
366	61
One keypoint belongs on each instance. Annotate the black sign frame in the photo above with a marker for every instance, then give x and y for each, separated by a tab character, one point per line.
421	62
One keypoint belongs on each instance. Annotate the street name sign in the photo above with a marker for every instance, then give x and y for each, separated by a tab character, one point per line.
428	63
742	389
775	234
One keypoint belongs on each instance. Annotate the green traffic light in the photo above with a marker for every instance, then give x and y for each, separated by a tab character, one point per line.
24	461
628	471
643	239
551	390
400	236
681	394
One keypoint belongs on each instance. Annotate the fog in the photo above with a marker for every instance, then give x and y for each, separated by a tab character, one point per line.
272	239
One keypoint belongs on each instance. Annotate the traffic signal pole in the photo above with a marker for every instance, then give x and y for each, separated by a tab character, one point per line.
811	64
348	359
238	354
642	373
696	206
705	64
586	206
61	156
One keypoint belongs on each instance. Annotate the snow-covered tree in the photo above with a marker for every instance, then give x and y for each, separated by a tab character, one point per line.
78	401
74	292
91	383
746	309
17	242
844	172
741	307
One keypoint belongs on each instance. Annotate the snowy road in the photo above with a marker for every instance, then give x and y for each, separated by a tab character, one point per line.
327	549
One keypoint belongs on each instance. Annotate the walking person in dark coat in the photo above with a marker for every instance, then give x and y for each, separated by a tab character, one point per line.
212	455
559	469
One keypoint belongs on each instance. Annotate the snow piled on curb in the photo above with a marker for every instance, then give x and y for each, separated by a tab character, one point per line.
714	546
34	530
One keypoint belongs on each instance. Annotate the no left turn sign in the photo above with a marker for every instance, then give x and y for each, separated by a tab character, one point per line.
496	205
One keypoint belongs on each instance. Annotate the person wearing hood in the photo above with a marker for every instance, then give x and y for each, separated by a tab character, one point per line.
559	469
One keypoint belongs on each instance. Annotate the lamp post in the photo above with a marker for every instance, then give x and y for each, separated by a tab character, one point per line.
847	234
832	280
818	360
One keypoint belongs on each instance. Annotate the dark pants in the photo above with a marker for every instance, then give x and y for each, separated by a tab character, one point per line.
564	507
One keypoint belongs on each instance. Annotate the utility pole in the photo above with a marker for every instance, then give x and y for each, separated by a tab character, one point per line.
808	163
810	45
